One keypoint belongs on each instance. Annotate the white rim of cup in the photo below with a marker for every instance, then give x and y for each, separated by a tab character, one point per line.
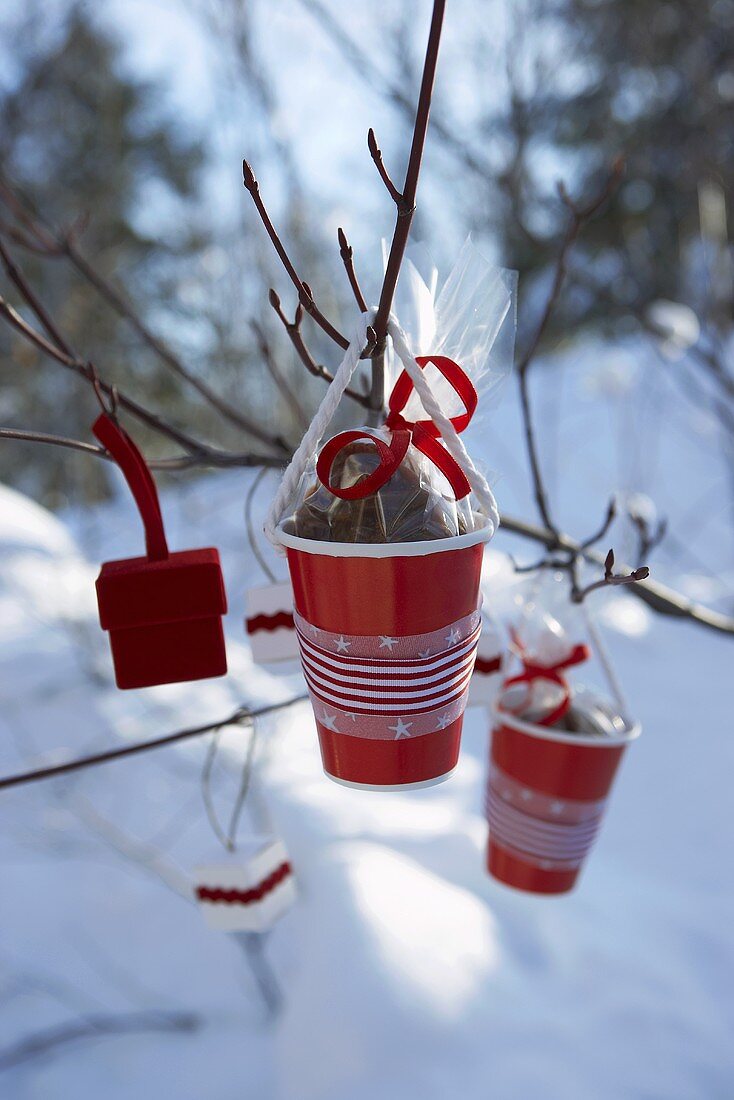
631	732
385	549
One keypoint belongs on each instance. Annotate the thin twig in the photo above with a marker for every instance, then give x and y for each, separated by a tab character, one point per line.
578	217
174	462
166	355
663	600
362	63
253	946
96	1025
55	440
606	524
347	254
201	454
658	597
278	377
648	537
243	789
392	190
610	579
22	239
17	277
242	714
304	295
293	328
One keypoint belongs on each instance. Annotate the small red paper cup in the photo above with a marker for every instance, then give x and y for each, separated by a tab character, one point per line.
546	794
392	592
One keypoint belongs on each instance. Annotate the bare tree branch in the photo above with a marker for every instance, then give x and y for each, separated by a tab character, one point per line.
243	714
606	524
218	460
293	328
610	578
54	440
363	64
579	216
95	1025
201	454
304	294
658	597
649	536
405	206
278	377
64	244
17	277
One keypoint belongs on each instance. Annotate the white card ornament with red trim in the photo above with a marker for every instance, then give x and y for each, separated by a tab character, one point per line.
249	890
269	623
487	675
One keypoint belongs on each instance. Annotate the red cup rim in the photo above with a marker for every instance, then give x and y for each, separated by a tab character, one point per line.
386	549
631	732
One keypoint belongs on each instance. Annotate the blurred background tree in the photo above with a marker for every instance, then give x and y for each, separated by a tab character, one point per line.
83	140
168	221
653	81
95	148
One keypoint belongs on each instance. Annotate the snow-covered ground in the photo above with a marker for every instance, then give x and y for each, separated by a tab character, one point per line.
406	972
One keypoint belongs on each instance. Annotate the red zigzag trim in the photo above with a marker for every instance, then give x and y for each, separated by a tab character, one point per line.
270	622
244	897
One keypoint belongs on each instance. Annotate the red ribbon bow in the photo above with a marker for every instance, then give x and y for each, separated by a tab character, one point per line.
423	434
554	674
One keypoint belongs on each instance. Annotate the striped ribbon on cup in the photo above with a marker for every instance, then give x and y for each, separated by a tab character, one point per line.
544	830
386	687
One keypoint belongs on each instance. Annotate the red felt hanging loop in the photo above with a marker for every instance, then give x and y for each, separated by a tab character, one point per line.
423	434
140	481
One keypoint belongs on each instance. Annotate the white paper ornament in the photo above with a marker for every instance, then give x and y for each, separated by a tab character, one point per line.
248	890
269	623
487	675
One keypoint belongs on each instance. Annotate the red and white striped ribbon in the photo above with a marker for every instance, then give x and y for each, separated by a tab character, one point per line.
389	687
544	830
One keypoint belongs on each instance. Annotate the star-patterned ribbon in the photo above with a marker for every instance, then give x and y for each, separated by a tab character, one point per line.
387	687
423	434
545	830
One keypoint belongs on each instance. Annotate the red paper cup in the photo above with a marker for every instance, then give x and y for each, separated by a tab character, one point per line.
546	795
386	594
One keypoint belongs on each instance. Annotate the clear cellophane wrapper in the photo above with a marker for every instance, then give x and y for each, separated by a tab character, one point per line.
472	321
546	629
415	505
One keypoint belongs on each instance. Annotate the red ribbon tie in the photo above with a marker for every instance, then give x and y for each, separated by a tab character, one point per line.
423	434
554	674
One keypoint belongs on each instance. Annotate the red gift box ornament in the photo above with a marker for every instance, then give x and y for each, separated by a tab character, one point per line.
548	786
163	611
388	630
